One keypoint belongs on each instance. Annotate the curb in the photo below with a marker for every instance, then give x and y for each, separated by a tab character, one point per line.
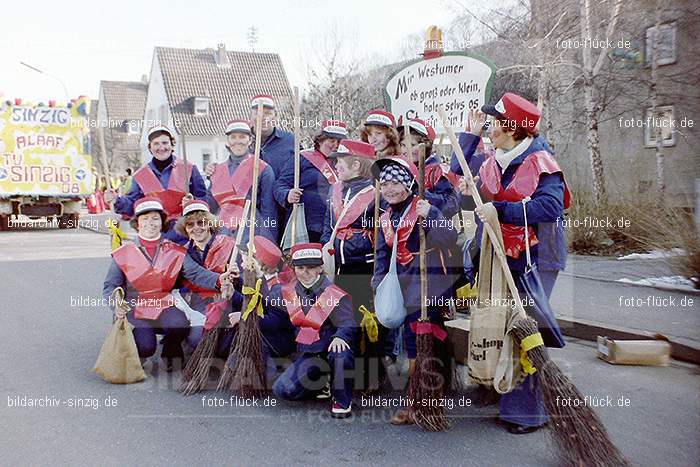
681	348
614	281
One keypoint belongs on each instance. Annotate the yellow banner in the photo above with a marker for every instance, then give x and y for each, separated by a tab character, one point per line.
43	151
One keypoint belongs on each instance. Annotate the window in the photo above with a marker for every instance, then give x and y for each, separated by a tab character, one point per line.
666	46
133	127
663	121
201	106
206	157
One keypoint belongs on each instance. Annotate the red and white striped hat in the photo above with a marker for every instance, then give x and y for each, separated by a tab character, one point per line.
380	117
147	204
238	125
265	100
194	206
334	129
159	129
351	147
307	254
420	127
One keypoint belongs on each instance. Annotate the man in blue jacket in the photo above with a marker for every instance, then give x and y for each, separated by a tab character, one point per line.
277	146
316	177
322	318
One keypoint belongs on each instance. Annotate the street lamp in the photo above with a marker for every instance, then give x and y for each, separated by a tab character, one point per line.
65	89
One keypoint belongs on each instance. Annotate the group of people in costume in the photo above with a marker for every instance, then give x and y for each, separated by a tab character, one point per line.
363	211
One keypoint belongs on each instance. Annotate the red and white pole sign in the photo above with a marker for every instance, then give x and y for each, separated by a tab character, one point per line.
456	81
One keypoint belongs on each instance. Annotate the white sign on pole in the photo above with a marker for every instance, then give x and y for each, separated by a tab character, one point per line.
456	81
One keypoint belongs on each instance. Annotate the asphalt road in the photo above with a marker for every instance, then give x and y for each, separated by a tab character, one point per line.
49	344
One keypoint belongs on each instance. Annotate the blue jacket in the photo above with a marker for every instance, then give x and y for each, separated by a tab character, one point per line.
266	222
191	271
125	204
315	195
197	302
277	149
439	233
340	323
545	210
443	195
358	248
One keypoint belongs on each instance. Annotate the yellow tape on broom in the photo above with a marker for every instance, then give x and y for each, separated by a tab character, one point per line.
529	343
255	302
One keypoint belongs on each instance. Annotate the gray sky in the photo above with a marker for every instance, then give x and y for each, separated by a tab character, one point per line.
82	42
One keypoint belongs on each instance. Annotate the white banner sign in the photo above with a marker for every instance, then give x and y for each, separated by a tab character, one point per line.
455	81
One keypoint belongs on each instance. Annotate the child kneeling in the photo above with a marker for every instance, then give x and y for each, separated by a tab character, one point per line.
322	317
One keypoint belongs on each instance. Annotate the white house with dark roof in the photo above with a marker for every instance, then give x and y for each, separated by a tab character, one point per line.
196	91
120	109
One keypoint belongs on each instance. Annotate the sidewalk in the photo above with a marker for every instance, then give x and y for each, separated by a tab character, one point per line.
633	271
590	300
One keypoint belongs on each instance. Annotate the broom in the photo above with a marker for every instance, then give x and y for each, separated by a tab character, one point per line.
425	384
578	434
195	375
244	372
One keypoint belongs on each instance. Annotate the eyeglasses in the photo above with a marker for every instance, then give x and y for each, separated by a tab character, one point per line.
199	223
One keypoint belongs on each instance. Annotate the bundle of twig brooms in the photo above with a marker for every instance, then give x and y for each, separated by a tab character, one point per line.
426	383
577	432
195	375
244	372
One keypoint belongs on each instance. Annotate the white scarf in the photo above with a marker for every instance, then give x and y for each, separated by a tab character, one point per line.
504	158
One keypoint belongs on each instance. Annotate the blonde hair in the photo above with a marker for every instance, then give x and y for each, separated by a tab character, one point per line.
212	222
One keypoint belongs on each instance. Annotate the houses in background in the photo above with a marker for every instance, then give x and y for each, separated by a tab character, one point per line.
120	110
196	91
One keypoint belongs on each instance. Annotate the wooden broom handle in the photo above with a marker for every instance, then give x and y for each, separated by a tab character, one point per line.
297	163
497	246
256	169
421	233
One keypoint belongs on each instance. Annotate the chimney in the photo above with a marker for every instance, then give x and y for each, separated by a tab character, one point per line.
221	56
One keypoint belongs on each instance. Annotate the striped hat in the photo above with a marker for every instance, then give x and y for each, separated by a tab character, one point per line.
307	254
265	100
420	127
194	206
238	125
147	204
334	129
380	117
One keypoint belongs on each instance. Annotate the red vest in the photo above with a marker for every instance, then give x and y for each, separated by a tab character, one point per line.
310	323
523	184
359	205
153	281
403	256
285	276
321	163
231	190
217	259
171	198
433	174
